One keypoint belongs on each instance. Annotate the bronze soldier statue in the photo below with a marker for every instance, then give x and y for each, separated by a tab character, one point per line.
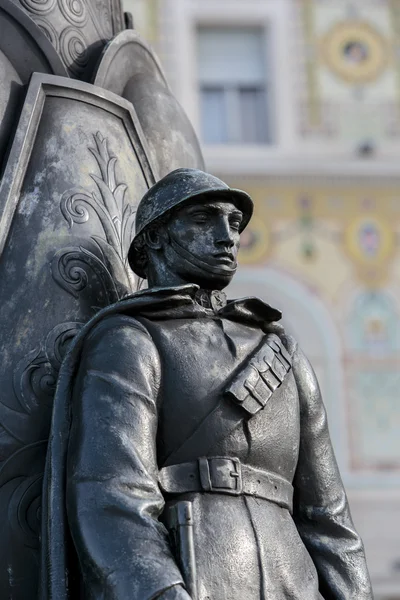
87	124
189	455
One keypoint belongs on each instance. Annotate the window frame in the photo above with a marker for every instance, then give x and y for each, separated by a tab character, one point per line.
232	91
184	17
279	19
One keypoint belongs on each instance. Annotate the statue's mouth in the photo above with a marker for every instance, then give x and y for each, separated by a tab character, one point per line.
224	258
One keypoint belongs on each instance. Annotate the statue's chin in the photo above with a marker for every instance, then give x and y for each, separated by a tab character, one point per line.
205	279
209	274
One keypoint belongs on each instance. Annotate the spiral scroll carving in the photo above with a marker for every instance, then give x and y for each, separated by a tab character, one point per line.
74	207
23	472
73	268
33	378
69	271
74	11
76	28
24	510
38	7
58	341
34	384
35	375
49	31
74	50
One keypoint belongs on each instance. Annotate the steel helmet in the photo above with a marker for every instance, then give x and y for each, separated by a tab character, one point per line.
176	189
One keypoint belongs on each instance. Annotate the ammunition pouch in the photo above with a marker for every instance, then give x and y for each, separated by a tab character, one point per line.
254	385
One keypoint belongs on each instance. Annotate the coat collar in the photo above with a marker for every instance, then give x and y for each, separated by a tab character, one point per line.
189	301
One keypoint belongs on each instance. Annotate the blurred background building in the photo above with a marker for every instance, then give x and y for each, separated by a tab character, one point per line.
298	103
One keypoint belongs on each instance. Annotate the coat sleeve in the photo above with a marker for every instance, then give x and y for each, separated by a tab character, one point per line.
113	498
321	509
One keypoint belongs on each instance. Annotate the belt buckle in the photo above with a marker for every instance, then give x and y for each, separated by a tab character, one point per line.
214	468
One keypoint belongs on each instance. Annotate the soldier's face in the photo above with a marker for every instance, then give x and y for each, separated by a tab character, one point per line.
205	237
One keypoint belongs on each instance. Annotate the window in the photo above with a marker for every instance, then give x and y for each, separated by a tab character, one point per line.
233	90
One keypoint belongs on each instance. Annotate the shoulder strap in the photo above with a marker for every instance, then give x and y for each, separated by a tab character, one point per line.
246	394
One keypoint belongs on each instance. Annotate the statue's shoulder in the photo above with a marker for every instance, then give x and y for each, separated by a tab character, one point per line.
289	342
300	362
115	327
129	312
304	374
122	326
116	322
118	343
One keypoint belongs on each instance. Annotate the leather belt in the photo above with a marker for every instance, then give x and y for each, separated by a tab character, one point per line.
225	475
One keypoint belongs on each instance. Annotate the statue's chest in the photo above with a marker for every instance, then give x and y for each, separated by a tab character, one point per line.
199	358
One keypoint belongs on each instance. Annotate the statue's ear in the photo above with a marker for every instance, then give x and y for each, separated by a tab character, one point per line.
156	238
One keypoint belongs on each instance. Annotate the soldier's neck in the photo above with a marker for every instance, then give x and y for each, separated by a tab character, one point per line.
159	275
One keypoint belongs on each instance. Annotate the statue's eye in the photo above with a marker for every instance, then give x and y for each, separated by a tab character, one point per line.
199	217
235	223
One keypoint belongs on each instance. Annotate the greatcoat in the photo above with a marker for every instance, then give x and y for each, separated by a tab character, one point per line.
137	383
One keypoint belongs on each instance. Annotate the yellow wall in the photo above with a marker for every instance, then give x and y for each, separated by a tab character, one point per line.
341	243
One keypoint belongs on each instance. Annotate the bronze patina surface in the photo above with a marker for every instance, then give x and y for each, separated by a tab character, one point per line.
190	455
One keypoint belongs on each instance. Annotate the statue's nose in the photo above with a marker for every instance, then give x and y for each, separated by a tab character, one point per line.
225	236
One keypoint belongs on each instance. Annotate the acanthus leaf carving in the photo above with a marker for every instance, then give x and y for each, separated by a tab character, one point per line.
116	217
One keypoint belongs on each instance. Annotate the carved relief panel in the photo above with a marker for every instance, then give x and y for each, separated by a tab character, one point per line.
78	29
77	169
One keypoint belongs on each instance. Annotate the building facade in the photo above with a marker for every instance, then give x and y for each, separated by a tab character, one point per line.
298	103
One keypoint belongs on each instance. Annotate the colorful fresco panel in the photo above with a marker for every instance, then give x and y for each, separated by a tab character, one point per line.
375	418
349	56
353	231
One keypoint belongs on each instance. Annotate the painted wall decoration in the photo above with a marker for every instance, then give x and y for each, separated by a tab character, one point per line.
370	241
306	222
255	241
374	417
350	231
342	242
373	326
372	344
355	51
349	65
